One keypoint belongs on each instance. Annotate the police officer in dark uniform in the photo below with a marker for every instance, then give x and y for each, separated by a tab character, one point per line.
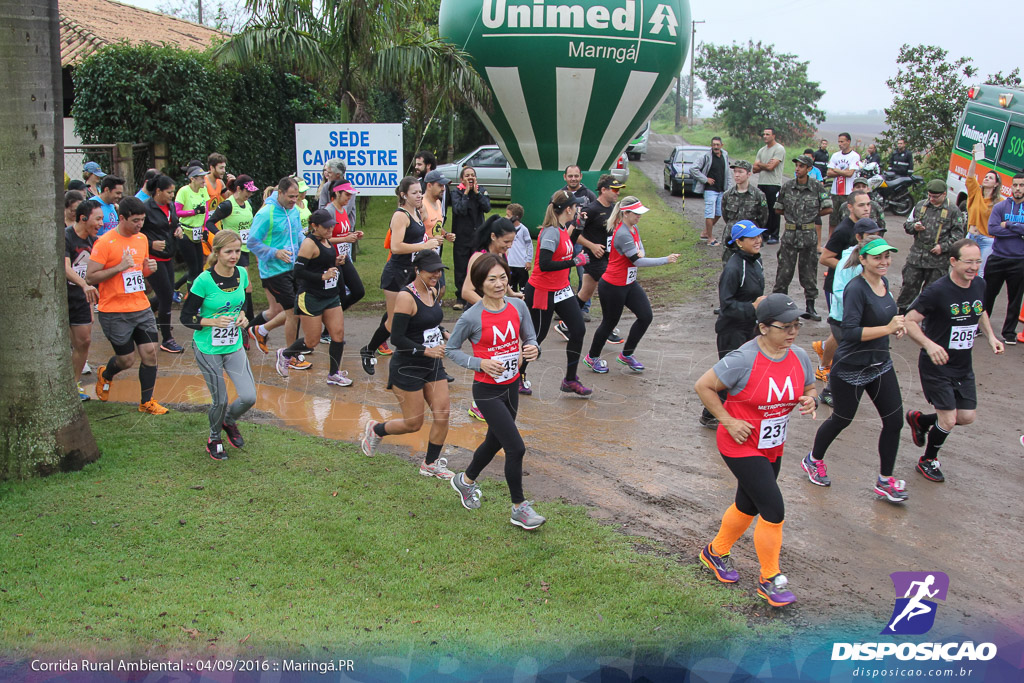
902	160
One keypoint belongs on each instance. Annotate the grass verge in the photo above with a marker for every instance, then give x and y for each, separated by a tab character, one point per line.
301	545
738	148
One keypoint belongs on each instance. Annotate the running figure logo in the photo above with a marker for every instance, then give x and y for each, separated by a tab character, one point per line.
914	612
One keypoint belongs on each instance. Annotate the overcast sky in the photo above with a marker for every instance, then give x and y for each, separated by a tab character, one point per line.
865	35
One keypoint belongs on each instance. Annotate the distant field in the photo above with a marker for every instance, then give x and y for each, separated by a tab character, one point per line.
862	127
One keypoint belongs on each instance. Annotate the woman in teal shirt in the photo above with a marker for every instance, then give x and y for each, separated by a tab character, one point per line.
214	309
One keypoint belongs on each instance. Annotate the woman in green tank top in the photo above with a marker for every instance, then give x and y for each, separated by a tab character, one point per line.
235	214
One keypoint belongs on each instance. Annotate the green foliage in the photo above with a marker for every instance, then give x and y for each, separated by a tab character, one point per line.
929	94
665	115
148	93
752	87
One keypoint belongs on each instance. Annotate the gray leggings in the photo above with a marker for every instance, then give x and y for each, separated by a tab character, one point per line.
236	365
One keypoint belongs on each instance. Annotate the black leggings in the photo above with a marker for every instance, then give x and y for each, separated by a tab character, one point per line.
162	283
499	404
571	314
192	255
885	394
350	276
613	299
757	491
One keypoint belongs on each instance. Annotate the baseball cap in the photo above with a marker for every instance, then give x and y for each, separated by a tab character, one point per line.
861	180
777	307
876	247
610	182
563	199
866	225
195	172
94	168
429	261
436	176
634	207
936	186
303	186
323	218
744	229
741	163
345	187
804	159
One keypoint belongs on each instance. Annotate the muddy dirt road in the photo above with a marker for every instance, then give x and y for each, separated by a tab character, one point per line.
635	454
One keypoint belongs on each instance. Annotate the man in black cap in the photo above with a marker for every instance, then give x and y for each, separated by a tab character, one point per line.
936	223
591	234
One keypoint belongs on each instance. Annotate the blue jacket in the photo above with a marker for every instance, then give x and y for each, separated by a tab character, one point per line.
1009	241
274	228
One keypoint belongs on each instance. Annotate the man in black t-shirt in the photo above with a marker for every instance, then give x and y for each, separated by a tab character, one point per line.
944	321
592	235
78	241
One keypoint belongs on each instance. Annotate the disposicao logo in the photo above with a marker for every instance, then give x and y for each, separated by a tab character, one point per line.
914	614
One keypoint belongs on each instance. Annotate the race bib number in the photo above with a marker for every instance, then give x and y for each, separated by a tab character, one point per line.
133	281
80	271
962	336
563	294
344	249
510	366
197	234
224	336
630	275
244	234
332	283
773	432
432	337
608	244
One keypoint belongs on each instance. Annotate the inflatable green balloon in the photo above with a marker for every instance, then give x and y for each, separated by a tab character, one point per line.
571	83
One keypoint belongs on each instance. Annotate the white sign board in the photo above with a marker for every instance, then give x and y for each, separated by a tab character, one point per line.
372	153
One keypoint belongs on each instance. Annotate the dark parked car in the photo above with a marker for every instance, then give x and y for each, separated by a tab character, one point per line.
677	168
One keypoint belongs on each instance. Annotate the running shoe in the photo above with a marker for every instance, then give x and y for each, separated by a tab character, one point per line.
86	370
774	591
721	565
177	297
772	240
215	447
152	407
384	350
325	338
631	362
815	470
171	346
339	379
826	396
102	385
81	393
470	493
1021	441
819	348
708	421
562	329
245	341
260	339
614	337
1010	339
598	365
438	468
299	362
930	470
892	489
234	436
525	388
586	317
524	516
282	364
366	356
474	412
458	306
574	386
370	439
821	373
917	432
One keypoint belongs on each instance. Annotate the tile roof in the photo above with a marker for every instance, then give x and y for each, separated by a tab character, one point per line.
87	25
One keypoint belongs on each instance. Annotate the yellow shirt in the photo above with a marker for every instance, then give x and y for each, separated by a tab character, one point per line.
978	208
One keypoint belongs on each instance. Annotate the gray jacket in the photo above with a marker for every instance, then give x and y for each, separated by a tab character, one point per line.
699	172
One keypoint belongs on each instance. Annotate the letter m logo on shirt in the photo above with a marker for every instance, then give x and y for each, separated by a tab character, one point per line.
776	393
509	333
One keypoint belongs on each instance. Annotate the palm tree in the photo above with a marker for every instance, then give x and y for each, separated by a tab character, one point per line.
43	428
353	46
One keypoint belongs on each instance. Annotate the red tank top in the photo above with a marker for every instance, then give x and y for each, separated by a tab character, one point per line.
341	228
620	270
766	401
552	280
499	340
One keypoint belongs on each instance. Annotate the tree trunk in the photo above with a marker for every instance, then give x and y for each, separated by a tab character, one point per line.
43	428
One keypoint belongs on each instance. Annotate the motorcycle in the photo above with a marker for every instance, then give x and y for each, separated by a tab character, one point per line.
890	190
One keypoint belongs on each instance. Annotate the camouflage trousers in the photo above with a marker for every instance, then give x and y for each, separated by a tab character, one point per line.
915	279
798	246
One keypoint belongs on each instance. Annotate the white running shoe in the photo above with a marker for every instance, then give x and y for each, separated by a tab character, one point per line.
438	468
86	370
370	439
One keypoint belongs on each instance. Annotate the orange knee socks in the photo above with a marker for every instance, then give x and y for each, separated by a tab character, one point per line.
768	544
734	523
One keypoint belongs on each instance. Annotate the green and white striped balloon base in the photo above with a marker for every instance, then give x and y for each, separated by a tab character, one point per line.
533	189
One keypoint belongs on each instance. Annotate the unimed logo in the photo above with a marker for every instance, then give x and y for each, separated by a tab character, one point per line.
914	614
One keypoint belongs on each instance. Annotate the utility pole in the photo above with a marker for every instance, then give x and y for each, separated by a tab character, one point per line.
199	4
693	44
679	87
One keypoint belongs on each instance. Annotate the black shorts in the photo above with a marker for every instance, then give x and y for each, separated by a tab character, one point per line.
948	393
125	331
79	312
410	374
595	267
311	305
283	288
243	259
837	329
394	277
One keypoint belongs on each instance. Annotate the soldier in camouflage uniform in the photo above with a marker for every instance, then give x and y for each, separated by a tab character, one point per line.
741	202
877	214
800	202
936	224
